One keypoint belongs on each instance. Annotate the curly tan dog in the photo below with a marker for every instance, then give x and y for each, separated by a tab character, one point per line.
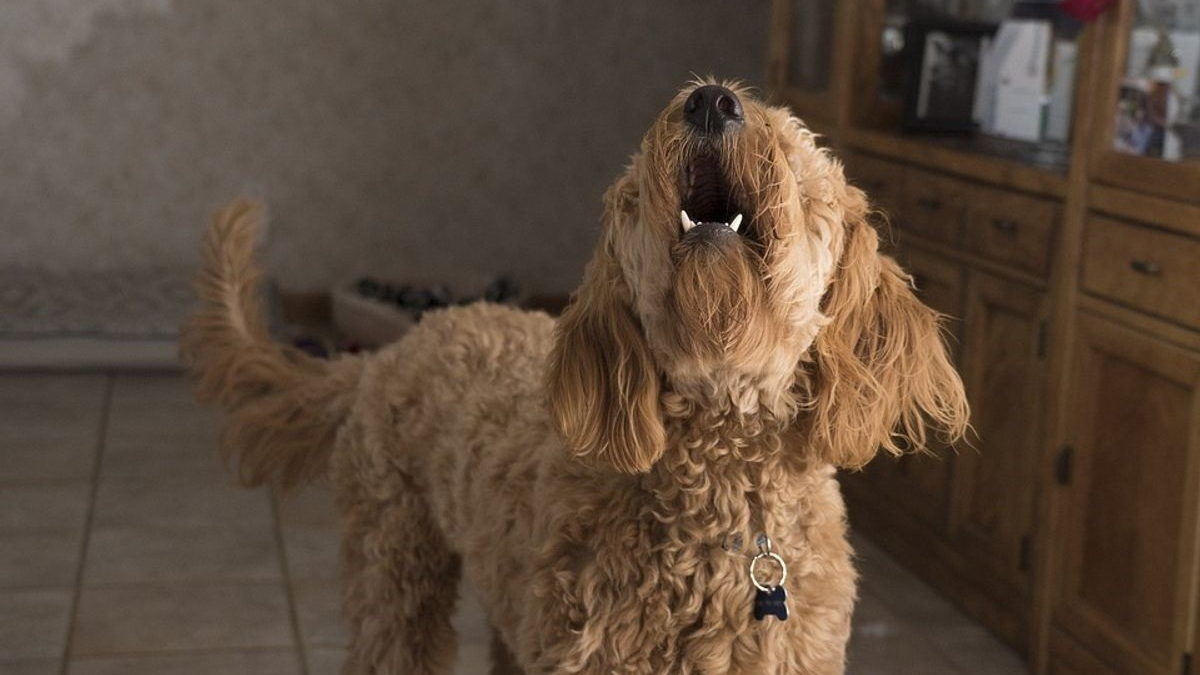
607	481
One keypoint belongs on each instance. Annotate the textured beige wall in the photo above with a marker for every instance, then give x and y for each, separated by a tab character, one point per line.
441	139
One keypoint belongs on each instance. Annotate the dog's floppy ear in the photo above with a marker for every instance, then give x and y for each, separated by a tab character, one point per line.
881	372
603	382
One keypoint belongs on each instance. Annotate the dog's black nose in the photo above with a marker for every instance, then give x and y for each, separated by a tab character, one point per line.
712	108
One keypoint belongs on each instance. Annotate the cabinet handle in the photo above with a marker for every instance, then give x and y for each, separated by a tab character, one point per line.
1062	465
930	203
1147	267
1004	225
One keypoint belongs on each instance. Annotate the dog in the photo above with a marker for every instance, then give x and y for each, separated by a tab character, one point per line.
644	485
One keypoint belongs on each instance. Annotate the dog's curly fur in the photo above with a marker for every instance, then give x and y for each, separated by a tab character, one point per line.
587	475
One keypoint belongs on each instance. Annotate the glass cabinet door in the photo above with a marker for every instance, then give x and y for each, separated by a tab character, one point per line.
810	59
1157	114
898	13
892	65
803	35
1151	140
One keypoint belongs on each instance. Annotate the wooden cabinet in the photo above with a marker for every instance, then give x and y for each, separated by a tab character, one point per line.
1070	524
995	507
1125	560
975	505
923	481
1126	578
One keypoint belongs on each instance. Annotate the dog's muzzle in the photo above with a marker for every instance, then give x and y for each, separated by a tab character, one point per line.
709	209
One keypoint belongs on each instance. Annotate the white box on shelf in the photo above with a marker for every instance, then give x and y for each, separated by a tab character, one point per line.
1020	54
1062	91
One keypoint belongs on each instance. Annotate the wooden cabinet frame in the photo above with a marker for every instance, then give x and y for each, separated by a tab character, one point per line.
1098	180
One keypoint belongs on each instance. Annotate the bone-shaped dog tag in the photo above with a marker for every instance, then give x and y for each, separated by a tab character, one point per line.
769	600
771	603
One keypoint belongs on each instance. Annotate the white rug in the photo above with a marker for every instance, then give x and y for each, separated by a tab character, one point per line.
114	319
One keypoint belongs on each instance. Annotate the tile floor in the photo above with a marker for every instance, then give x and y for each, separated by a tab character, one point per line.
124	550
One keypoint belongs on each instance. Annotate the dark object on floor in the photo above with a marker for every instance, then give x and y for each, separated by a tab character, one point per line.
502	289
418	299
372	312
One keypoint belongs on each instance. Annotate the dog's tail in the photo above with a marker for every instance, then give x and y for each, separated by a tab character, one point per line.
284	406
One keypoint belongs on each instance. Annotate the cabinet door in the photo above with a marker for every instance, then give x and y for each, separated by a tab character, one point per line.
921	482
1130	504
802	63
939	284
1165	161
994	495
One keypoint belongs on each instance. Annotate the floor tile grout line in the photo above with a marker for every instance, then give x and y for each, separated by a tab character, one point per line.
37	531
170	652
102	432
293	615
170	585
43	482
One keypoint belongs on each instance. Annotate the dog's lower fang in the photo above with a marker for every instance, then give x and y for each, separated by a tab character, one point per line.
685	221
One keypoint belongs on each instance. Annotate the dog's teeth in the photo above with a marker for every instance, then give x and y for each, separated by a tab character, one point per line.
737	222
687	222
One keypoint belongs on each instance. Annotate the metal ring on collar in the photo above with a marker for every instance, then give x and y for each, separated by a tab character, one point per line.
782	571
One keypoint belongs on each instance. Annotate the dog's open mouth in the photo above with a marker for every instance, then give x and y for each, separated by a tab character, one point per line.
708	198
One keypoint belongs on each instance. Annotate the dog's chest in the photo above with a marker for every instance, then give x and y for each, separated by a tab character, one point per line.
657	578
683	603
695	610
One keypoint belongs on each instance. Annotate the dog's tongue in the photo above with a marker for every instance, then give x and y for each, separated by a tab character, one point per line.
687	223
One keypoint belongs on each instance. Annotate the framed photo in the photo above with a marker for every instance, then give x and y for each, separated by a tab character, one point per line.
943	71
1141	120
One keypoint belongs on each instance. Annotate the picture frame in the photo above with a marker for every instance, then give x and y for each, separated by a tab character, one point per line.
1140	125
943	71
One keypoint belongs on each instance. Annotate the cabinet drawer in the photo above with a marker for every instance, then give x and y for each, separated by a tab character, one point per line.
881	179
932	206
1152	271
1011	228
